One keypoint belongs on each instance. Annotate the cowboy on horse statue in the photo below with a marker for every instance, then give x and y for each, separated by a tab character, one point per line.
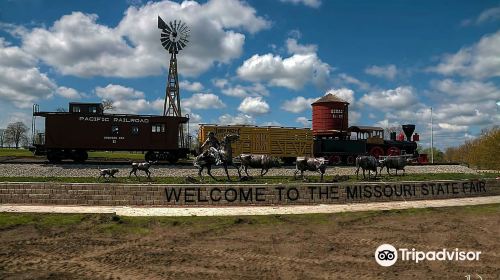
213	147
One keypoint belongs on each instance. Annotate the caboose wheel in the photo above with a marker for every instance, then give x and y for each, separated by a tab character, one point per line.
150	156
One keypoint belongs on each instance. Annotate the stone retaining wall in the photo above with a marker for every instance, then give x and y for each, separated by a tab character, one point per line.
239	194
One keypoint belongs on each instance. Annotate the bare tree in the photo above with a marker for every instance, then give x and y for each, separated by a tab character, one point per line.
16	133
2	138
107	105
61	109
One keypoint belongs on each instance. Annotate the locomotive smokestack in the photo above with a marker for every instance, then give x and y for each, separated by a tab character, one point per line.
408	130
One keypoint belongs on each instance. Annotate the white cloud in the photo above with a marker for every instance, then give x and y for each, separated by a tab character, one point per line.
220	83
347	79
203	101
77	44
309	3
388	71
303	121
292	72
117	92
295	48
21	82
190	86
239	119
343	93
398	98
298	104
452	127
241	91
69	93
467	91
254	106
489	15
478	61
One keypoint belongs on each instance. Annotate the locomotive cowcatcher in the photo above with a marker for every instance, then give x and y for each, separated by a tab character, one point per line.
86	127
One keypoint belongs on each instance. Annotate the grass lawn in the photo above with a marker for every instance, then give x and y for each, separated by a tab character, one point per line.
255	180
8	152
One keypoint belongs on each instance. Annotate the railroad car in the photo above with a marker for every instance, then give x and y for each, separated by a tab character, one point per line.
86	127
283	142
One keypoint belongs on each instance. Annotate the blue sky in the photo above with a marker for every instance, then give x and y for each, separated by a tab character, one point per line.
261	62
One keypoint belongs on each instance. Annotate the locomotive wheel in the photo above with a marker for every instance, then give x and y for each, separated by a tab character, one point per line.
335	160
393	151
150	156
350	160
376	152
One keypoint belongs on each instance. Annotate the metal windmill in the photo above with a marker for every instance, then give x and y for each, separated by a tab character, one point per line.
174	37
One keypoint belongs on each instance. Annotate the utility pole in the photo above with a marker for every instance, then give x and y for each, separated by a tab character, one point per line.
432	139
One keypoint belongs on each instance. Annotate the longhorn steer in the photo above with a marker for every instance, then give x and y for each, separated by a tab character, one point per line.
143	166
264	162
393	162
310	164
110	172
369	163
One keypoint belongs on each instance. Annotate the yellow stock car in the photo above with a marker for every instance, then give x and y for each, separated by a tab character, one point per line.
286	143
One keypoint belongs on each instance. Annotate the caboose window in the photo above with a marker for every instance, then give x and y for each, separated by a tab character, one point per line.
115	130
158	128
93	109
135	130
76	109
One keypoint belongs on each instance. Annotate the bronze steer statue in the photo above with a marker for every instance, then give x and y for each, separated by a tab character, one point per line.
393	162
264	162
369	163
143	166
110	172
310	164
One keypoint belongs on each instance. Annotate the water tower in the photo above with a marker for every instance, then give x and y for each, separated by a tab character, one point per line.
330	117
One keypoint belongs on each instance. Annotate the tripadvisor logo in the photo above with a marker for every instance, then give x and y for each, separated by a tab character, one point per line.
387	255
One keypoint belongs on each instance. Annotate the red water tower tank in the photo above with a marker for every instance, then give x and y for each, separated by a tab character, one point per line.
329	116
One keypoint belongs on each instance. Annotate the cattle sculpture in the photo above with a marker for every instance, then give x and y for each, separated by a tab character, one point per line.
207	158
264	162
393	162
369	163
310	164
143	166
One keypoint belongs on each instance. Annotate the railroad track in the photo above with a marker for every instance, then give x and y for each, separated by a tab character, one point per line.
102	162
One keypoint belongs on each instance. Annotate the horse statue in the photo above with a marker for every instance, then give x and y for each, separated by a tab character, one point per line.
207	159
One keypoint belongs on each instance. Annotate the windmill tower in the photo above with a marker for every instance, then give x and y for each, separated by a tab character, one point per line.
173	38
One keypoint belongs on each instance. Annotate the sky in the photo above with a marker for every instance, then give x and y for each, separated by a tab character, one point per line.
261	62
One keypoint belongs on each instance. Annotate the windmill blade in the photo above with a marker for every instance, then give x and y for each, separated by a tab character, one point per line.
161	23
182	44
184	41
182	27
165	35
171	26
168	44
163	40
178	45
164	44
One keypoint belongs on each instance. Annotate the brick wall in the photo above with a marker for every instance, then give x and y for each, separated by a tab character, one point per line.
240	195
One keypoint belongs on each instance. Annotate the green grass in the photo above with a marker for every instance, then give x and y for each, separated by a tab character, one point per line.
15	153
118	225
255	180
42	220
116	155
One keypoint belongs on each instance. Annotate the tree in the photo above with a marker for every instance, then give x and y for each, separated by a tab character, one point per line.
107	105
438	154
61	109
16	133
2	138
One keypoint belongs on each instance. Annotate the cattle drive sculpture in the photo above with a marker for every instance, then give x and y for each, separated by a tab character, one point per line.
225	154
264	162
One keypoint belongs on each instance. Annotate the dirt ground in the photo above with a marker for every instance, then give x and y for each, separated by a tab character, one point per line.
313	246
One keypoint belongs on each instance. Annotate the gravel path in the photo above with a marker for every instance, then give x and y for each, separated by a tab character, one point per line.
72	170
253	210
